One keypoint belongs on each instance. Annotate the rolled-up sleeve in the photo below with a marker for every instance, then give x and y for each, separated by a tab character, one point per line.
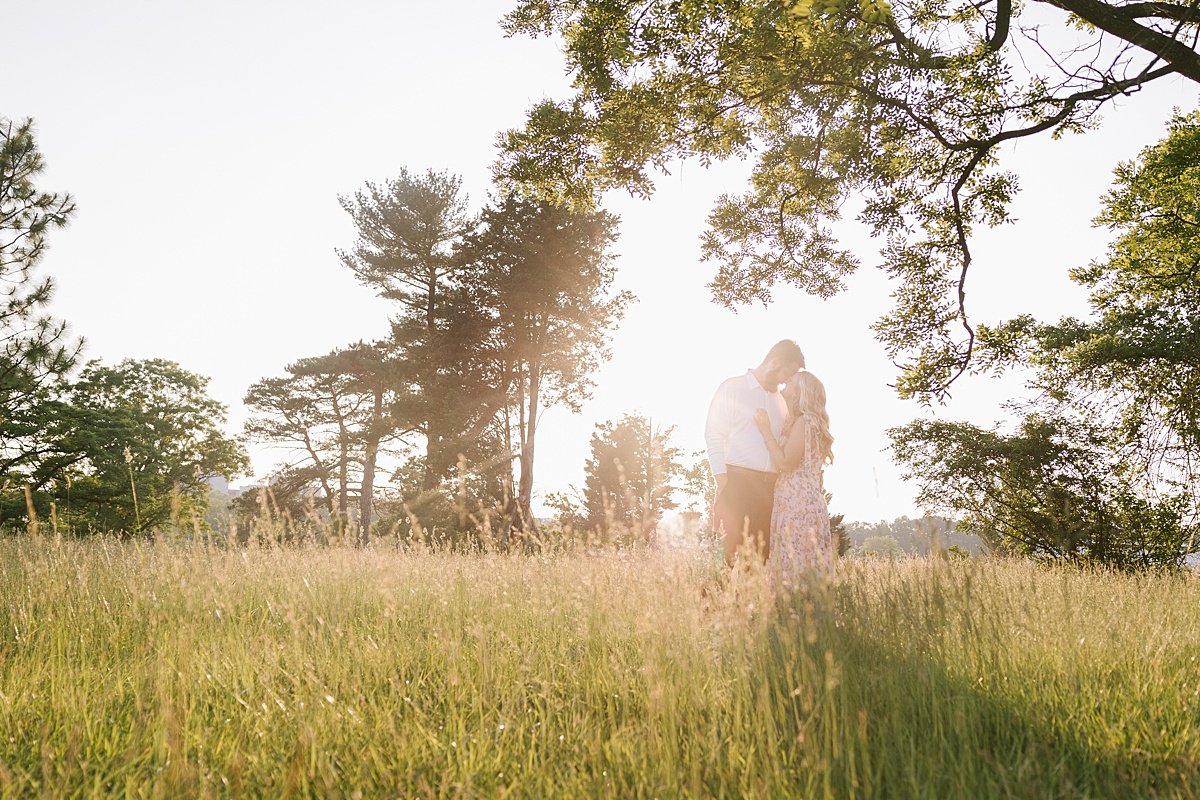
716	429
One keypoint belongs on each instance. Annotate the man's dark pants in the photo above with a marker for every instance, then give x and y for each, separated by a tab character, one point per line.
743	510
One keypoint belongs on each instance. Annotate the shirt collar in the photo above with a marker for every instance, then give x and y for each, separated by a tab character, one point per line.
753	383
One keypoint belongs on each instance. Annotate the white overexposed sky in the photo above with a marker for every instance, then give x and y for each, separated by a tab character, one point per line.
207	144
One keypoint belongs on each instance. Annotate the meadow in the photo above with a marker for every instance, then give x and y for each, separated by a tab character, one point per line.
180	670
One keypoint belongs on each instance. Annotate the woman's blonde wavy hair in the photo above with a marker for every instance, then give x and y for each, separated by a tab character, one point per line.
809	400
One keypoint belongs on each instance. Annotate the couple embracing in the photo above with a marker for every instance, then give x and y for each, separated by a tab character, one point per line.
767	447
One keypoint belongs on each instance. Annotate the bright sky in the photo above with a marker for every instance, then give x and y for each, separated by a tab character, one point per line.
207	143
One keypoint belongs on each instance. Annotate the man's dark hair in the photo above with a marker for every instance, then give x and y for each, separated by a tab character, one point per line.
787	351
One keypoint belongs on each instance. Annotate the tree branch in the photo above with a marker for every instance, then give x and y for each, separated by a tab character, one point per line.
1186	14
1114	20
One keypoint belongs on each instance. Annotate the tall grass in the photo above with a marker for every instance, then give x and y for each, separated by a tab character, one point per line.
176	670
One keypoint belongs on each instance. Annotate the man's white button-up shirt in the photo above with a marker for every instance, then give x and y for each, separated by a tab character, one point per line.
731	434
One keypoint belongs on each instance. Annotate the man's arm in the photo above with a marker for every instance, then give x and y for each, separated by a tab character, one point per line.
716	434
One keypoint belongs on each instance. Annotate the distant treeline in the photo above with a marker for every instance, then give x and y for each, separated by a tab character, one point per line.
501	313
919	536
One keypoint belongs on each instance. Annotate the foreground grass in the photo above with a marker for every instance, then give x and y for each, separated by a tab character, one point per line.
167	671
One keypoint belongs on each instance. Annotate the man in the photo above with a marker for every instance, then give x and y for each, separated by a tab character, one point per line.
740	461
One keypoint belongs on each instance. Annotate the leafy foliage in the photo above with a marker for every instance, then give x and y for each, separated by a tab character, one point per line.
1057	488
902	104
499	318
885	546
840	533
923	536
1108	462
1138	358
407	229
444	380
142	437
335	414
698	484
468	510
301	413
630	477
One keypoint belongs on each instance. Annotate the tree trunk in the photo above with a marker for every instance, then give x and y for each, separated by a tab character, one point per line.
516	517
343	503
322	472
507	523
525	489
429	480
366	497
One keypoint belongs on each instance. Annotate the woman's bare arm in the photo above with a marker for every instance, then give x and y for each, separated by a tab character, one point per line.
793	448
787	457
764	427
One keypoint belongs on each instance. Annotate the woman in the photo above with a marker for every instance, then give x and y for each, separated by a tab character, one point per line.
800	537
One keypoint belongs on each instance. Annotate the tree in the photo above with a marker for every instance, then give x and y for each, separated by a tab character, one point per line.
630	477
885	546
460	389
145	437
467	510
1107	463
408	230
923	536
293	497
545	274
1056	488
308	414
35	350
570	514
700	489
698	483
338	415
903	104
1137	360
367	375
839	533
436	376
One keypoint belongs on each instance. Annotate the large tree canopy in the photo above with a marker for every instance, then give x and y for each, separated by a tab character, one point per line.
1137	360
1106	463
905	105
325	412
1060	486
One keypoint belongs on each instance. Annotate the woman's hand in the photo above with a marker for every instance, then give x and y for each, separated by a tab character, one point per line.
763	421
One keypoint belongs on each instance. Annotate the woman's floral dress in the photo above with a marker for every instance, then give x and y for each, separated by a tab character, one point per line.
801	542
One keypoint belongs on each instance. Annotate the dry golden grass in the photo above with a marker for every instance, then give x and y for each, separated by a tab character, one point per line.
164	670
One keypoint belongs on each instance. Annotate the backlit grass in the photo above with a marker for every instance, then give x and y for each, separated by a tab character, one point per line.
174	670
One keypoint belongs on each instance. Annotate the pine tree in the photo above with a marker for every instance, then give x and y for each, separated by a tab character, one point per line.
35	350
546	275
